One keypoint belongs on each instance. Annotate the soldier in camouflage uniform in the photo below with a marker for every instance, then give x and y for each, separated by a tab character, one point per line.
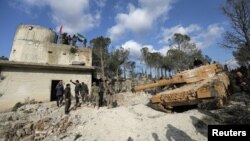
78	88
240	81
74	40
95	94
110	92
84	92
67	98
101	92
61	39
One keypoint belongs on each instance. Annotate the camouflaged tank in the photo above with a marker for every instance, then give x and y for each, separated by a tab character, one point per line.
198	86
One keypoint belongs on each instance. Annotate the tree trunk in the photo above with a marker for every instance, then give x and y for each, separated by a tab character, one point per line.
102	64
155	73
124	70
158	72
161	72
117	73
165	72
150	68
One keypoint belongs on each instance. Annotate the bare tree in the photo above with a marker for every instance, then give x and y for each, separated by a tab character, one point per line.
238	13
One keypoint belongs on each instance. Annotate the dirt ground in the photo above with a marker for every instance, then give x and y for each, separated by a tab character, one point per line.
130	120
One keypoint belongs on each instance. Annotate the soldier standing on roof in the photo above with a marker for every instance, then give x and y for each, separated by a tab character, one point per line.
74	40
69	40
61	38
64	38
84	42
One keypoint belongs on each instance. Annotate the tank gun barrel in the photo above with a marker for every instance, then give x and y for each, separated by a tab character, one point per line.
164	82
188	76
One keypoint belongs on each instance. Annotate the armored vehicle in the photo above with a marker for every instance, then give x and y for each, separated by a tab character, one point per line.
198	86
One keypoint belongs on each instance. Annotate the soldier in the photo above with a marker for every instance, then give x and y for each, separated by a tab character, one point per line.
64	38
241	82
226	67
95	94
110	93
61	38
85	42
59	93
78	87
101	92
197	62
69	40
74	40
84	92
67	98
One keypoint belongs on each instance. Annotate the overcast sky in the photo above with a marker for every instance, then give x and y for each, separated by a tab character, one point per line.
132	24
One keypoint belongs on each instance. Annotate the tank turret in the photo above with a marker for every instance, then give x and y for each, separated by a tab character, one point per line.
198	86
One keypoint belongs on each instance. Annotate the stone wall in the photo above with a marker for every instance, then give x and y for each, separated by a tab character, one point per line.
35	33
38	45
17	84
49	53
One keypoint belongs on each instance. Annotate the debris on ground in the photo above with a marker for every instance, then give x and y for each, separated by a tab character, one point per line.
131	119
237	111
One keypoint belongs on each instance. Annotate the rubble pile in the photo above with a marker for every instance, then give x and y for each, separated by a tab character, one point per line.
138	122
131	119
128	99
33	122
236	112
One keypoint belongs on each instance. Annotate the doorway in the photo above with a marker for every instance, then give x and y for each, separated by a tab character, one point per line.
53	90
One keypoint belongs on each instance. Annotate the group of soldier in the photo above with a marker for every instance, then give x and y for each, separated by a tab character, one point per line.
96	98
66	39
98	92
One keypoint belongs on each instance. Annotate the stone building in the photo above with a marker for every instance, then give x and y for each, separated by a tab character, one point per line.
37	63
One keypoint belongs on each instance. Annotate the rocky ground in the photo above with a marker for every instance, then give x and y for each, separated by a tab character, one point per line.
130	120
